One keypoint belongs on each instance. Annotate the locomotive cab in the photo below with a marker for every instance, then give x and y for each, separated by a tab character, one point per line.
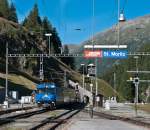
46	94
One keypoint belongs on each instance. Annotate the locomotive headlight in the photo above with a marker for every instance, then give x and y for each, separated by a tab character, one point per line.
45	96
52	86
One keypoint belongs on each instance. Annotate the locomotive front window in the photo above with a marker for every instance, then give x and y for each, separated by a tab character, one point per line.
47	90
52	90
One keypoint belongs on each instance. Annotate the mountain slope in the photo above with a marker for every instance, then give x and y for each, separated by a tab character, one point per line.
134	33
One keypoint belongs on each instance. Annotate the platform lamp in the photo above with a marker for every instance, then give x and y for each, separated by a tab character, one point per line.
49	35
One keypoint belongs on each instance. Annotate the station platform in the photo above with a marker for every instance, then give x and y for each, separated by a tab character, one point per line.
127	111
83	121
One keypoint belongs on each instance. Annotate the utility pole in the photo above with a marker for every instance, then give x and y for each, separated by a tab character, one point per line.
6	85
65	78
96	83
83	80
6	103
41	68
136	57
115	82
136	85
136	93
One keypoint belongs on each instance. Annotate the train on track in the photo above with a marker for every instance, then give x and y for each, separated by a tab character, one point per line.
50	95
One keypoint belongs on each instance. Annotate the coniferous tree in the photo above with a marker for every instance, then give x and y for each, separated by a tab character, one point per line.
4	9
33	21
12	13
46	25
56	43
24	21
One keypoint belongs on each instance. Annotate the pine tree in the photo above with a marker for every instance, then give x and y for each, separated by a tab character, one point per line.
12	13
56	42
33	21
46	25
24	21
4	9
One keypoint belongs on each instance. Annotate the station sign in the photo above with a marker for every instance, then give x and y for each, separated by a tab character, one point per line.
116	54
92	54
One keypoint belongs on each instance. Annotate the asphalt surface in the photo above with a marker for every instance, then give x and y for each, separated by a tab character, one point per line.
83	121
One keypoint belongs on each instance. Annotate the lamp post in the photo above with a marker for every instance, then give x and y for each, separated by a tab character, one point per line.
6	91
49	35
83	75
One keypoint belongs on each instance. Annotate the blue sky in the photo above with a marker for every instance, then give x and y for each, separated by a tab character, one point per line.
67	15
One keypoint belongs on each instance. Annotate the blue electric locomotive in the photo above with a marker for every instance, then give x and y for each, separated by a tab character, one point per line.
45	94
49	95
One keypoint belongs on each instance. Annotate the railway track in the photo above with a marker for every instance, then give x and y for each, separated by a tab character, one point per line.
53	122
40	119
9	119
126	119
2	112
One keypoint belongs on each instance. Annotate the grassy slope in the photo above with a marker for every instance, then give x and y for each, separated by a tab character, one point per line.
20	80
103	87
145	107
